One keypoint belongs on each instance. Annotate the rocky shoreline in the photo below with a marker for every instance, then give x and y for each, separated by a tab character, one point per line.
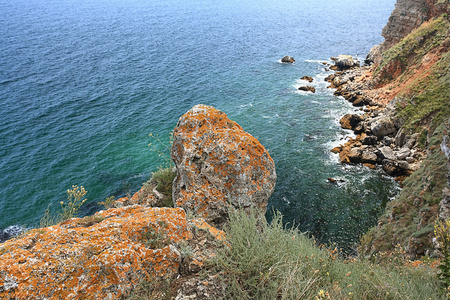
379	138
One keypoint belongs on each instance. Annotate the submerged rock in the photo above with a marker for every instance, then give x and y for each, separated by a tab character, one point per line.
219	166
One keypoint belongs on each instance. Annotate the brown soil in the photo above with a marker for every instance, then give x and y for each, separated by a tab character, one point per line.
402	84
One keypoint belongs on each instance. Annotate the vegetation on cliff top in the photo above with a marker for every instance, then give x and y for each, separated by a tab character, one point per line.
267	261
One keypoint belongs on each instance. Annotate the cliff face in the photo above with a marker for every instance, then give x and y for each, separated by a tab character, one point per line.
408	15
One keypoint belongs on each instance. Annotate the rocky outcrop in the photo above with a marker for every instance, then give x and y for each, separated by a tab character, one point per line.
219	166
101	256
109	254
288	59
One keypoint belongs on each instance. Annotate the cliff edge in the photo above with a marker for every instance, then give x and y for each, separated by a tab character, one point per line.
108	255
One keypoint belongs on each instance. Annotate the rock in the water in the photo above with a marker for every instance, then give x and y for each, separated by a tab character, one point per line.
288	59
382	126
350	121
219	166
307	88
307	78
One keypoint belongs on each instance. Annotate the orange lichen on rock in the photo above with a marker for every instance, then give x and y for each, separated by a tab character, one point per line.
104	260
201	223
219	166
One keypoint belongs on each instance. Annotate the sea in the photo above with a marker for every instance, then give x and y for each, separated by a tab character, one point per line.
83	83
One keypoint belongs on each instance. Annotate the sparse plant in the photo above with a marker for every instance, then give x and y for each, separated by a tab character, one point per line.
47	219
155	238
75	199
69	209
152	289
165	152
108	202
163	179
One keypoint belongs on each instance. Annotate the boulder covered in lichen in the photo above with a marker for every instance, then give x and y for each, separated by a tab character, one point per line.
104	256
219	166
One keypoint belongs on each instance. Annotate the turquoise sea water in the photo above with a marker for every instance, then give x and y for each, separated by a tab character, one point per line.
83	83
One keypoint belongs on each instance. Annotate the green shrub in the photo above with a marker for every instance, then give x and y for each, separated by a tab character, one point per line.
163	179
442	233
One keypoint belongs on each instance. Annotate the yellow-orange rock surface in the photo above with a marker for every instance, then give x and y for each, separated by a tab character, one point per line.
219	166
103	256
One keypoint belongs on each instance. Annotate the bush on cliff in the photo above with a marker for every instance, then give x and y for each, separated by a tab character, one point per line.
267	261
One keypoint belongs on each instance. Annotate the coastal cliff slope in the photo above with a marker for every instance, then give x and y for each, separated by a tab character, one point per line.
411	74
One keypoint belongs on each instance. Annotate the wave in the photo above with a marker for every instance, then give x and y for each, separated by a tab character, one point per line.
10	232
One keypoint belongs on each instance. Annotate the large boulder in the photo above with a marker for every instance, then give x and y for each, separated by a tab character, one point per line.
350	121
219	166
382	126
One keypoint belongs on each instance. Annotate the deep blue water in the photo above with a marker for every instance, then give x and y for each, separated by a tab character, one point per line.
83	83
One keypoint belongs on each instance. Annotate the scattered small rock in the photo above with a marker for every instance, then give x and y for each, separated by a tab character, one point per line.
307	88
307	78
